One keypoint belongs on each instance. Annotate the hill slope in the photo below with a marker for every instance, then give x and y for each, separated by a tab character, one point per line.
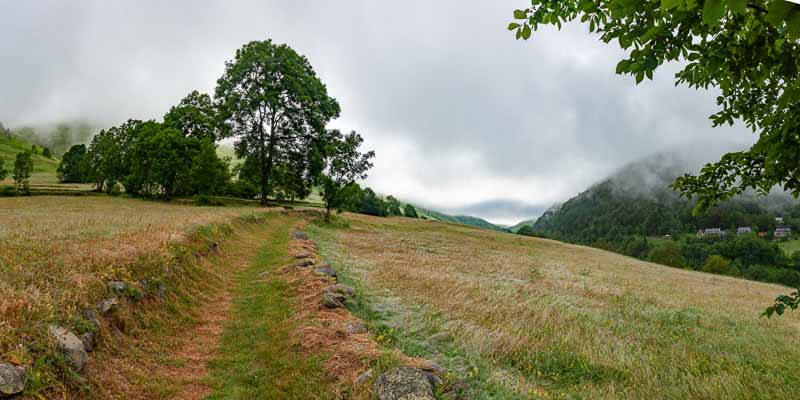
11	146
638	201
459	219
519	317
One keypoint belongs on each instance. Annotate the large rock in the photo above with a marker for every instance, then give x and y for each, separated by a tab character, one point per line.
326	270
118	286
108	305
12	380
73	347
332	300
344	290
91	316
403	383
306	262
299	235
89	340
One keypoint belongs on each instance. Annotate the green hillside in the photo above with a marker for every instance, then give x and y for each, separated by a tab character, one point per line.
44	169
459	219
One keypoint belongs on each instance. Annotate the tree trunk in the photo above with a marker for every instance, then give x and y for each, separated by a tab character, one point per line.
327	214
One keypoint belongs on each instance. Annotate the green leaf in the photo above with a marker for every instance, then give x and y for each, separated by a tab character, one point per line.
667	5
713	11
526	32
513	26
793	23
737	6
778	11
520	14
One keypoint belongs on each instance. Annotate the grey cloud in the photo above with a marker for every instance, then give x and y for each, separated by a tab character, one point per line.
462	115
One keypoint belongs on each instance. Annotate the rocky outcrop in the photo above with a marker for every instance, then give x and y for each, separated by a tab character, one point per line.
12	380
71	345
403	383
299	235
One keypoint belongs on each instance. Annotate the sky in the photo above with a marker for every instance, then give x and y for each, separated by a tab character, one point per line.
464	118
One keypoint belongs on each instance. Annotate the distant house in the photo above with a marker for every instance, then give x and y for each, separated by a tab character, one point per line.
763	234
713	232
778	220
743	230
783	232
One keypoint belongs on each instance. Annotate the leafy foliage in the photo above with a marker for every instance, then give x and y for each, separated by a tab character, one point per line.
271	100
3	170
749	50
23	168
344	165
72	168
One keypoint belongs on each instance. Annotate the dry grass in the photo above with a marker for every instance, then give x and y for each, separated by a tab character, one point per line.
548	319
56	253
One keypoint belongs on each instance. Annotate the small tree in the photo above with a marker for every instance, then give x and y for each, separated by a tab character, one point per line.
23	168
344	166
410	212
668	253
46	153
3	170
719	265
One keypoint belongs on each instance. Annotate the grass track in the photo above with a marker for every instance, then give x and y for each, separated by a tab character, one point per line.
257	358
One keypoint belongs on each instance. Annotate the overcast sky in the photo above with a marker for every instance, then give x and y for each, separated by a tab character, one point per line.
464	118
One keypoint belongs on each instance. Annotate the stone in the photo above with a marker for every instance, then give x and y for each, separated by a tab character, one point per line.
344	290
332	300
108	305
91	316
88	340
325	270
357	328
403	383
264	274
304	263
304	255
214	247
299	235
12	379
363	377
118	286
72	346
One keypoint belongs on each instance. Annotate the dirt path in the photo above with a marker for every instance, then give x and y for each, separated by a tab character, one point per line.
200	344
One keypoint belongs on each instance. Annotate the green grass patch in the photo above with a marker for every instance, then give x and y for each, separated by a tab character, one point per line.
257	357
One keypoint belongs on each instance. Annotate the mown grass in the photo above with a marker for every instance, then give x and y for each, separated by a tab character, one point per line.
532	318
790	246
57	253
258	359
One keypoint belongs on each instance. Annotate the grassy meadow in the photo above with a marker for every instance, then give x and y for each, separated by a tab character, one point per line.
44	169
57	253
519	317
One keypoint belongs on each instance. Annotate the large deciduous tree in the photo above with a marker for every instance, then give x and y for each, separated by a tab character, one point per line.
344	165
272	101
72	168
747	49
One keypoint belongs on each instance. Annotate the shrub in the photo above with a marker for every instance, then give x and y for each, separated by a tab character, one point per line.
720	265
668	253
204	200
115	189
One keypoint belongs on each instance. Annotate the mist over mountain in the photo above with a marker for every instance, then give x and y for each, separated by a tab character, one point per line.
638	200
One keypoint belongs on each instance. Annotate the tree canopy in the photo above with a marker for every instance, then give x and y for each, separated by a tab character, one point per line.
344	165
272	101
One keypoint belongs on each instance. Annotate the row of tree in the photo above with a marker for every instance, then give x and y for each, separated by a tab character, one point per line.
272	102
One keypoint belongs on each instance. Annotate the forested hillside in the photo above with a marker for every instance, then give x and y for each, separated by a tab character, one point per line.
636	213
